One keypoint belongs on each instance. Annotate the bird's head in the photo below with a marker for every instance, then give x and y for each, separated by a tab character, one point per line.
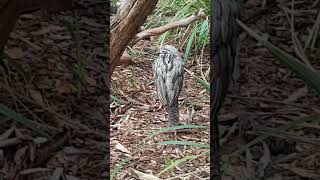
168	49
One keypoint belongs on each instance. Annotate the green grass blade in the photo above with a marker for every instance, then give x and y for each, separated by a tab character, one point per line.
115	98
21	119
190	126
188	143
202	35
185	159
312	78
118	167
189	44
291	125
203	83
131	51
172	165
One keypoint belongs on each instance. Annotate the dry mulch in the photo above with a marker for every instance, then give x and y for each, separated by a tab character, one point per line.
62	91
269	95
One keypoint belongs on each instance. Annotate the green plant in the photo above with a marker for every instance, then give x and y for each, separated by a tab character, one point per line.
118	167
310	76
189	126
6	111
79	66
169	163
195	36
189	143
172	164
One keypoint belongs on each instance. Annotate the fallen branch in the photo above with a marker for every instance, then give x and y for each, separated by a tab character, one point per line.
145	34
172	25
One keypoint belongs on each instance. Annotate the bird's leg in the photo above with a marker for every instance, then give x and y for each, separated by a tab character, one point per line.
173	111
172	123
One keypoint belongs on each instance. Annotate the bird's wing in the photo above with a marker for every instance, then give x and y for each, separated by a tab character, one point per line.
169	81
160	80
177	79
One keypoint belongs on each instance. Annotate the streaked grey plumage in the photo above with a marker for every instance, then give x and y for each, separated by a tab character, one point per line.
169	76
224	65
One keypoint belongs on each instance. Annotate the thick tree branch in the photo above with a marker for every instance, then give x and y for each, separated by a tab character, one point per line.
133	15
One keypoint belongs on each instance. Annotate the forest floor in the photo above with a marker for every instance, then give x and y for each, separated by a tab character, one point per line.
133	121
57	80
267	96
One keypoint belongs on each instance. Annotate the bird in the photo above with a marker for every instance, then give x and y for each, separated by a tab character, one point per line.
224	66
168	70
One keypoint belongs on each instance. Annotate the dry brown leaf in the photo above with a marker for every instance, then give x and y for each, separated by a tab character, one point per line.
90	80
60	37
47	29
122	148
10	142
15	53
91	22
36	95
228	117
7	133
57	173
297	94
20	155
144	176
301	172
65	88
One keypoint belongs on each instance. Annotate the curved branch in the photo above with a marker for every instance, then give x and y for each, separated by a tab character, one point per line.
172	25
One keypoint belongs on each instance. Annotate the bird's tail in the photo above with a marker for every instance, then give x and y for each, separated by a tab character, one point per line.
173	111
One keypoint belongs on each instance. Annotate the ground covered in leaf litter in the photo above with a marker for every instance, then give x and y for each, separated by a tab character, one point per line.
138	116
267	95
61	91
